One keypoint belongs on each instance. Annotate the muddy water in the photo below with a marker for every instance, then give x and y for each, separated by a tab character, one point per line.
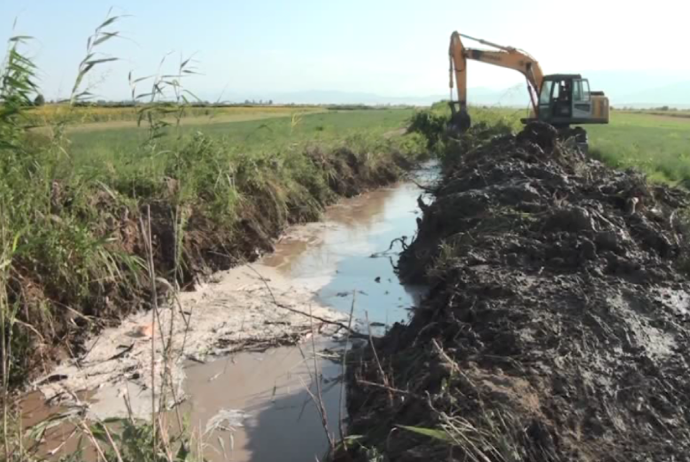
59	438
351	253
261	406
266	401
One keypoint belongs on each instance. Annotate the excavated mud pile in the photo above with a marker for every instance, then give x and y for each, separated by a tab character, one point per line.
556	328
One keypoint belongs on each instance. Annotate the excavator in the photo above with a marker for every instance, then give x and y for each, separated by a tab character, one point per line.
560	100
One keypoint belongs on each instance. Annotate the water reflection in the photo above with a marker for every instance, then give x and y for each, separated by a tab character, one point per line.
351	253
269	389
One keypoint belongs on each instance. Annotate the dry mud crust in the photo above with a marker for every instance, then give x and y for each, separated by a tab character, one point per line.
556	328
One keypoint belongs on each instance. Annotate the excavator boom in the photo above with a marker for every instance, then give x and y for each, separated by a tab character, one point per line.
507	57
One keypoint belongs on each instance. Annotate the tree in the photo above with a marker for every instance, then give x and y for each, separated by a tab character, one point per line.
39	100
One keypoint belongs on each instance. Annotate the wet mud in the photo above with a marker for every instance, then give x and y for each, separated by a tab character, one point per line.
556	327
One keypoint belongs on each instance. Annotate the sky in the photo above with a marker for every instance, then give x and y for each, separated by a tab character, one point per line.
386	47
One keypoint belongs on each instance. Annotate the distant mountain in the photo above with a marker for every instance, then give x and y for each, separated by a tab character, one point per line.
477	96
624	88
334	97
676	95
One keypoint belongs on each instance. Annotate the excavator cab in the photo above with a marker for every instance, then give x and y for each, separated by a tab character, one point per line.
566	99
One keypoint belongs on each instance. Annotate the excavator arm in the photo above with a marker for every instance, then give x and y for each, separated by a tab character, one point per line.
507	57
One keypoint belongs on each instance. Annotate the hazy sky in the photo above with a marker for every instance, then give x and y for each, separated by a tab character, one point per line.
389	47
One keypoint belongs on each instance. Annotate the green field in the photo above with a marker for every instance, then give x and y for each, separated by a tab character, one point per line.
657	144
276	132
117	154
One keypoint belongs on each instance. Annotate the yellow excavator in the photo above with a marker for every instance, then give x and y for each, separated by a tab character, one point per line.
560	100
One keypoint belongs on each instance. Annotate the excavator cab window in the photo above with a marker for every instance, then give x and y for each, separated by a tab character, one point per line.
557	94
581	91
564	91
545	95
577	90
561	98
586	95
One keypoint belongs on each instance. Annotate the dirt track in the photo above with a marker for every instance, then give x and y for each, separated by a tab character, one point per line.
557	324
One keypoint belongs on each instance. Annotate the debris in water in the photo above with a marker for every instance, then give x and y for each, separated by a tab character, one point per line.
143	331
226	420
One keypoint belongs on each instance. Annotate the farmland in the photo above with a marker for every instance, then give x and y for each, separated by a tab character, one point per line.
652	141
255	130
96	117
657	144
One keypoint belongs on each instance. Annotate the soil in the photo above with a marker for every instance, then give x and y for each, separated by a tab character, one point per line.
556	328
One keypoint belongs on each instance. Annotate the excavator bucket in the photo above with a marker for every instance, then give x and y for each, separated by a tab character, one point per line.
460	119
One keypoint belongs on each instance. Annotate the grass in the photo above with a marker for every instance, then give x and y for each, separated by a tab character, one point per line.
655	144
276	133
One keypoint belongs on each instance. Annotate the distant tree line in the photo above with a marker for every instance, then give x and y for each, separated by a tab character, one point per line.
40	100
129	103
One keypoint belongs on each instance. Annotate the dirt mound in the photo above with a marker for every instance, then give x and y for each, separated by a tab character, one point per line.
556	328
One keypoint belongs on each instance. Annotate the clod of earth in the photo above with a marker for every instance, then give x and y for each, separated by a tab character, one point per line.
556	328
